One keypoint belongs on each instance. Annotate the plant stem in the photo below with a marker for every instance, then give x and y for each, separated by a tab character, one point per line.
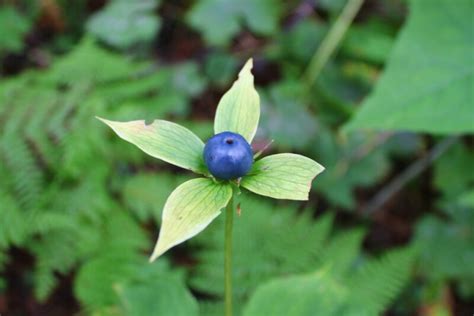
229	219
408	175
331	41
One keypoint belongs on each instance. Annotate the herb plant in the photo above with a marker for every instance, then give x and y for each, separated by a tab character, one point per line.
224	163
385	105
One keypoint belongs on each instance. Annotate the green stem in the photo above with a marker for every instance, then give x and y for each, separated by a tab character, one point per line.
331	41
228	256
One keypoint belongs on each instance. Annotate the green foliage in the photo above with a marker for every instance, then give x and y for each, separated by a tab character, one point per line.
375	284
273	243
427	89
55	164
86	207
267	243
371	42
450	236
124	23
281	107
220	68
131	286
262	17
299	43
157	291
366	292
16	25
357	161
314	294
450	176
442	241
347	166
148	204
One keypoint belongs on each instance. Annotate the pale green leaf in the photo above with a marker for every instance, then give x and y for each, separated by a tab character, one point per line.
282	176
239	109
164	140
428	84
188	210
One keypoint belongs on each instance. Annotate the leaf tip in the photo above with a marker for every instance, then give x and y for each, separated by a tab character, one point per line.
153	257
105	121
246	69
157	252
100	119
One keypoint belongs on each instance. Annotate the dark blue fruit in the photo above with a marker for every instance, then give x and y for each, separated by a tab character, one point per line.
228	156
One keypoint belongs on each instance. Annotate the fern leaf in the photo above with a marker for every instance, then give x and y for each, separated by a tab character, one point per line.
378	282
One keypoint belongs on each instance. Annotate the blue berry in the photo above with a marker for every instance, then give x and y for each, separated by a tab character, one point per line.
228	156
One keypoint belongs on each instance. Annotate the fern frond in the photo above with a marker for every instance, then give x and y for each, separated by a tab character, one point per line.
60	173
378	282
45	281
342	251
25	175
13	227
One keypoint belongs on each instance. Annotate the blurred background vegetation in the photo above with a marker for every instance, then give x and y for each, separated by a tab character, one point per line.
379	92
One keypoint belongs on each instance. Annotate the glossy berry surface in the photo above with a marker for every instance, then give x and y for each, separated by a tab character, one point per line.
228	156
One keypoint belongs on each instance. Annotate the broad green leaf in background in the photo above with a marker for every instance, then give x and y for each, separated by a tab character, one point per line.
220	20
369	42
428	84
365	290
285	118
239	109
156	290
188	210
282	176
96	277
220	68
124	23
305	295
163	140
